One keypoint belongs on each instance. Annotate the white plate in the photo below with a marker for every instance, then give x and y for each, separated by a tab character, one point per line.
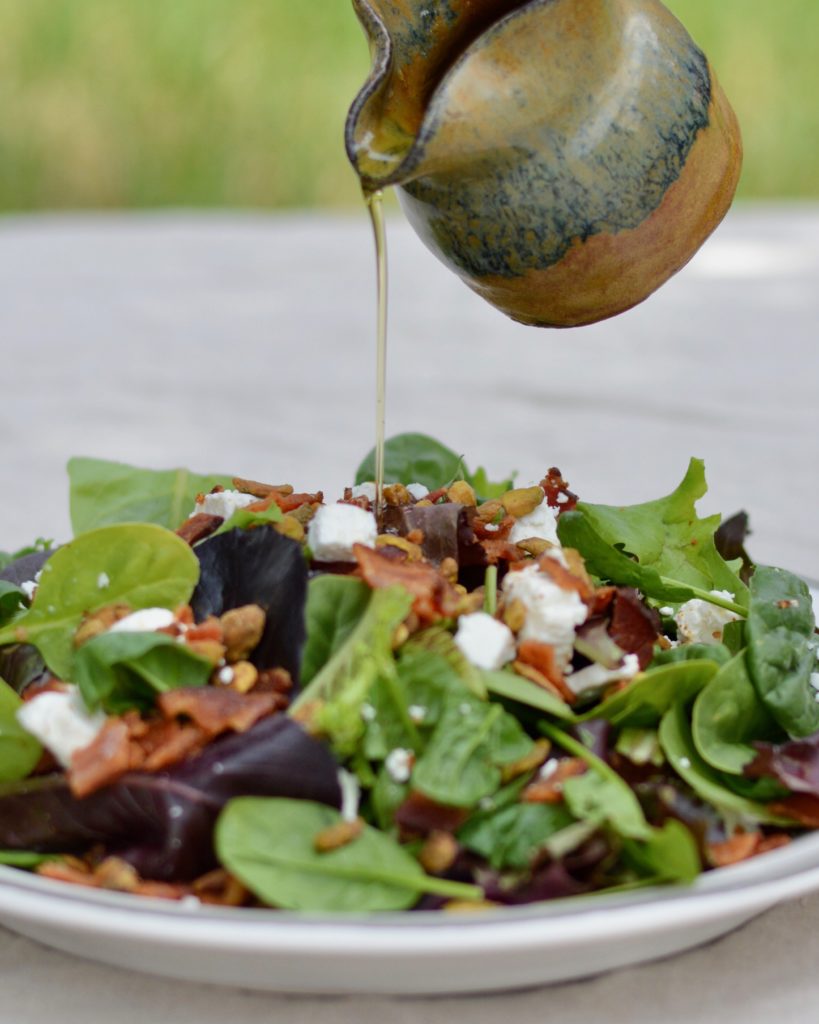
411	953
418	954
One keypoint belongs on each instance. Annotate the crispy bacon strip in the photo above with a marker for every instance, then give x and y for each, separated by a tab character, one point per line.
434	596
216	709
104	759
557	491
199	526
565	579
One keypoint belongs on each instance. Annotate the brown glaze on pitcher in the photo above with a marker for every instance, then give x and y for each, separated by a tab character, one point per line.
564	157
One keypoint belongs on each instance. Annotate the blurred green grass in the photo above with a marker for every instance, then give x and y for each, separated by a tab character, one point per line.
135	103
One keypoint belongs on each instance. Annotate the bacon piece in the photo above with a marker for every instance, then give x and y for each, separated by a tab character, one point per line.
557	491
534	675
215	710
199	526
565	579
286	502
420	815
741	846
104	759
802	807
167	743
634	627
434	596
548	789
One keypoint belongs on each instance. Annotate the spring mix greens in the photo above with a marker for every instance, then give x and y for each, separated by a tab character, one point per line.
488	695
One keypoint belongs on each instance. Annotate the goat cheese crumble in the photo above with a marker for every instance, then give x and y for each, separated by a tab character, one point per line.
552	613
699	622
61	722
484	641
334	529
223	503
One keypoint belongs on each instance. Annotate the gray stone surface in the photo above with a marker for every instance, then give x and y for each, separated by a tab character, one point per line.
245	344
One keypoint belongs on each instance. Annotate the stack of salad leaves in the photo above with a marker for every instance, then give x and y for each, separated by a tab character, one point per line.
369	760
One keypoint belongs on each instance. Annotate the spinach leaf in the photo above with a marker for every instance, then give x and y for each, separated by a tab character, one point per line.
644	701
335	605
678	745
268	845
417	458
717	653
728	716
463	759
606	800
513	836
668	536
120	671
12	602
386	796
139	565
19	751
334	699
669	855
105	492
515	688
781	656
413	458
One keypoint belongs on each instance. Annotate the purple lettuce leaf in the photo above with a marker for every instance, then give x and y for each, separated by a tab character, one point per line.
162	823
21	570
795	764
260	567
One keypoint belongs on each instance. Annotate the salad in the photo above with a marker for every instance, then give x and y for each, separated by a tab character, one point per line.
491	694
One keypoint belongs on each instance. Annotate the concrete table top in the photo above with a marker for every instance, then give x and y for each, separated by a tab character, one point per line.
244	344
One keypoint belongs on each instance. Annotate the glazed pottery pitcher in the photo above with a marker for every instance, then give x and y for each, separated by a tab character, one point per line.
564	157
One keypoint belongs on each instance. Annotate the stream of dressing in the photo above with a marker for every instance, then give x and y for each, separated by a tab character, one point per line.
375	206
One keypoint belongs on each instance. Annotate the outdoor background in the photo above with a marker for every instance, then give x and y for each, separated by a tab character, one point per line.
134	103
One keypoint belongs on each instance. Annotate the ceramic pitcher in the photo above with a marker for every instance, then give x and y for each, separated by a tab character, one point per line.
564	157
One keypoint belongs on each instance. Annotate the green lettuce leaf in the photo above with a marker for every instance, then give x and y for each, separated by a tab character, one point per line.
661	547
104	492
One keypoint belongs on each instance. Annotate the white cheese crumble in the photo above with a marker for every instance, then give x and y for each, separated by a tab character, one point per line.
484	641
417	713
29	586
147	620
699	622
334	529
418	491
399	764
368	713
103	581
226	675
223	503
552	614
61	722
549	768
542	523
350	795
594	676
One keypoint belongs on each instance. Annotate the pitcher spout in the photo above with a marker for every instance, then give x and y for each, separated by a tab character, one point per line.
413	44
